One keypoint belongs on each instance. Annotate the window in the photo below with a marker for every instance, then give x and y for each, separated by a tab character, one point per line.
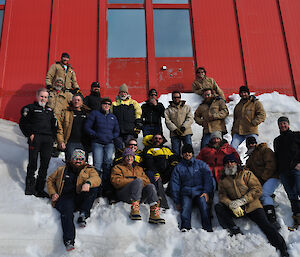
1	20
170	1
126	33
125	1
172	33
2	1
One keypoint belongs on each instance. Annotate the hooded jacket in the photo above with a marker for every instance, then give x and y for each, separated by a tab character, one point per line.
200	85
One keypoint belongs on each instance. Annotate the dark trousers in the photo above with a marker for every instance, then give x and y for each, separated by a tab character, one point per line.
41	144
120	141
151	130
258	216
186	212
68	204
291	183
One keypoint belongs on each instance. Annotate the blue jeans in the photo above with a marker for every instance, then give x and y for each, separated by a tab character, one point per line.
176	142
102	160
205	140
151	130
268	189
291	183
238	139
186	212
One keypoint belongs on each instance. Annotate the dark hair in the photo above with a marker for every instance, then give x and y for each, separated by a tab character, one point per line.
176	92
201	68
78	94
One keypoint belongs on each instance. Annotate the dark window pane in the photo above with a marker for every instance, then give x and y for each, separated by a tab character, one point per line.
1	20
170	1
125	1
2	1
126	33
172	33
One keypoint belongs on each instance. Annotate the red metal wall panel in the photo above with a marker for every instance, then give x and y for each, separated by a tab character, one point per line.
217	42
74	30
265	55
290	11
24	52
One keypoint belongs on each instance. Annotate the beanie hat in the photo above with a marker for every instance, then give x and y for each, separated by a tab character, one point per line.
283	118
123	88
244	89
187	149
128	152
229	157
250	140
65	55
78	94
216	134
152	91
105	100
95	84
78	154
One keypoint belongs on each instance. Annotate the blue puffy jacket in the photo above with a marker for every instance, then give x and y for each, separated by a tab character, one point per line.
190	178
102	128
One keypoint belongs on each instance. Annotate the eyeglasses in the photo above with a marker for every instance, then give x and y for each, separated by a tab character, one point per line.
78	159
133	144
107	103
176	96
153	94
158	138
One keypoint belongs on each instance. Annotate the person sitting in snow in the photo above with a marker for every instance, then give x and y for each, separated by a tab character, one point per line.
133	186
73	187
191	181
239	193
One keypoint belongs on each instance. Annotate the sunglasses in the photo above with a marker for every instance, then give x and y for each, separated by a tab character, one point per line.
176	96
158	138
133	144
154	94
78	159
107	103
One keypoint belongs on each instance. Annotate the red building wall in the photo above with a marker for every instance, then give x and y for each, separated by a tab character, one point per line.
238	41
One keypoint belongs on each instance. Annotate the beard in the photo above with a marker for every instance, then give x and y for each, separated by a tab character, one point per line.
42	104
231	171
95	93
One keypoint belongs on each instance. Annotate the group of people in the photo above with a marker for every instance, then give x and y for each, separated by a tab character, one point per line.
62	119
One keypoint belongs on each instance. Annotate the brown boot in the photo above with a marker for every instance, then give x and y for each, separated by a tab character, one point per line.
135	211
155	215
296	219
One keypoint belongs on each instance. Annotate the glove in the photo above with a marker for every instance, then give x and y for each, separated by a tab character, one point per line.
238	212
137	131
178	132
182	129
237	203
138	124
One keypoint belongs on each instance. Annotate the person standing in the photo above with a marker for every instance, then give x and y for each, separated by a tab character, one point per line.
94	98
211	114
202	83
73	187
63	70
247	115
152	112
191	181
287	152
103	128
70	130
239	193
38	124
179	119
128	113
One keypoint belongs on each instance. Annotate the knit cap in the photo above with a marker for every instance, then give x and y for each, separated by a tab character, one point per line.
78	154
216	134
283	118
250	140
65	55
244	89
95	84
229	157
123	88
187	149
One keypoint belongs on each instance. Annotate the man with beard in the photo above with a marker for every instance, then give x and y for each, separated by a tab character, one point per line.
239	193
70	132
128	113
287	152
73	188
38	124
159	162
63	70
93	100
179	120
247	115
211	114
202	83
262	163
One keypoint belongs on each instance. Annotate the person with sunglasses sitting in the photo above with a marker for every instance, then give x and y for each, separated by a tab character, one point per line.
73	187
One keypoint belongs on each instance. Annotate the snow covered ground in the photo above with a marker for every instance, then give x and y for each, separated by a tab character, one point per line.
31	227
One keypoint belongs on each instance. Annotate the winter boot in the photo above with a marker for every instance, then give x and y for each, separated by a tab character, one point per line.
30	186
155	215
39	188
234	231
81	221
284	253
271	215
135	211
69	245
296	219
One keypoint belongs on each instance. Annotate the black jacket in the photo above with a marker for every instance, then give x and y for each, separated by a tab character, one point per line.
93	101
287	150
37	120
152	114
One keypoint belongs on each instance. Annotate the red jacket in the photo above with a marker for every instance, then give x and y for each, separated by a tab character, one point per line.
214	157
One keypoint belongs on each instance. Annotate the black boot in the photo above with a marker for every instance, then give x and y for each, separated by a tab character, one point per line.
30	186
39	188
296	218
235	230
271	215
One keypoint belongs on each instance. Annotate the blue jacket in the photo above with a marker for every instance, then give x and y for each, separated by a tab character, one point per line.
190	178
102	128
